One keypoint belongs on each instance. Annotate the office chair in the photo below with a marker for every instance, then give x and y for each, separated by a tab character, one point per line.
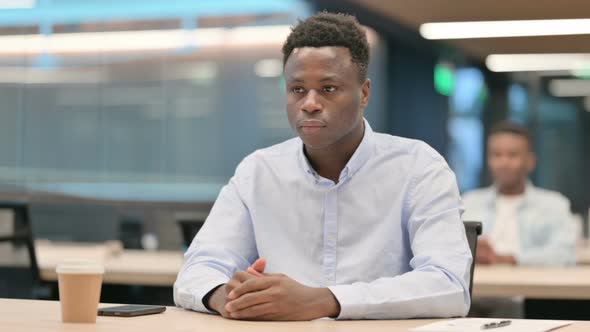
472	230
189	229
130	232
23	235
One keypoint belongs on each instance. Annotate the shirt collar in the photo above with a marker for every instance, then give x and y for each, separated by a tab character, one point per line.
528	192
358	159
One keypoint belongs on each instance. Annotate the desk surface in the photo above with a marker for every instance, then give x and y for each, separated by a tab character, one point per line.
33	316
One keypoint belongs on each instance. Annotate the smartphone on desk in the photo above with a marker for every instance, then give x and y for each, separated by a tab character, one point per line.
131	310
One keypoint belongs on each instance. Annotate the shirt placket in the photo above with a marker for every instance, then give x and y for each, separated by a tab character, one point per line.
330	236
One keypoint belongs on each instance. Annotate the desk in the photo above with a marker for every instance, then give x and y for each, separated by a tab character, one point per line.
33	316
583	254
532	282
127	267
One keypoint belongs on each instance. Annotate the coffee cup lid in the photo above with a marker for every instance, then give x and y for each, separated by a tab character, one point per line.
79	266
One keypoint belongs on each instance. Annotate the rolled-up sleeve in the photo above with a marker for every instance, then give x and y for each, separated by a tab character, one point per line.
438	283
224	245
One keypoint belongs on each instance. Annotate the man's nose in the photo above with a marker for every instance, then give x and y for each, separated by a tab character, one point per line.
311	103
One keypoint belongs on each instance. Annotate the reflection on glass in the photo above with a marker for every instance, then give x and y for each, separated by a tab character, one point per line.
141	107
465	152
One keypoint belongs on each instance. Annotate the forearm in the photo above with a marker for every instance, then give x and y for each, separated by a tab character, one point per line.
412	295
224	245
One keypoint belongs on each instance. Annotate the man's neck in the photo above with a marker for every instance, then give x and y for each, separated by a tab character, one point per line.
514	190
329	162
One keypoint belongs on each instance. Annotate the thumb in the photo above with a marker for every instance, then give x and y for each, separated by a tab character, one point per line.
258	267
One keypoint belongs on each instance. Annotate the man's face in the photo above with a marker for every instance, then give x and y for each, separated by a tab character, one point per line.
325	100
510	159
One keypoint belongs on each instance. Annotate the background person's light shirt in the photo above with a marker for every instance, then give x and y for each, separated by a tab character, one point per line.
387	239
504	236
546	232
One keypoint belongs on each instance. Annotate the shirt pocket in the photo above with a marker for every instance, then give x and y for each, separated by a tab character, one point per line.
535	232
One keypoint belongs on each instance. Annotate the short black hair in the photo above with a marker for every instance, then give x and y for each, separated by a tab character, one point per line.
508	127
331	29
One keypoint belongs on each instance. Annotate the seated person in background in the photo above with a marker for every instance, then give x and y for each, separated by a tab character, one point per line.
351	223
522	224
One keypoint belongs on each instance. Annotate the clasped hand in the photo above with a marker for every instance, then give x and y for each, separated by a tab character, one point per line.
255	295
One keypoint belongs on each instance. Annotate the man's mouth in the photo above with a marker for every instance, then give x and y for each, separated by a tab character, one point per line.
310	126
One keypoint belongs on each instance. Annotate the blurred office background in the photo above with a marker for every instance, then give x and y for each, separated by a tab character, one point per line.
118	119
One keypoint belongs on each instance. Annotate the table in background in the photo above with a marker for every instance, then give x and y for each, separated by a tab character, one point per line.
159	268
532	282
122	266
134	276
583	254
549	292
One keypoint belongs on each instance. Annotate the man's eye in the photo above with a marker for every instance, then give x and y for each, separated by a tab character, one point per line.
329	88
297	89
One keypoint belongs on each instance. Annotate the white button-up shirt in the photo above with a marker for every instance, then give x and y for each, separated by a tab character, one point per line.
387	239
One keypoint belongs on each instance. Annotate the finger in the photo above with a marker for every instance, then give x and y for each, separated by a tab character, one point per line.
259	311
236	280
254	284
248	300
259	265
230	285
243	276
253	272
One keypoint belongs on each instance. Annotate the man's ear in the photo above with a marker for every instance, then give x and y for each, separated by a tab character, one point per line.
365	93
531	162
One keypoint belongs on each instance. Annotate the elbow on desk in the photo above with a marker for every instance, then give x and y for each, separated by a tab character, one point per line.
182	298
456	304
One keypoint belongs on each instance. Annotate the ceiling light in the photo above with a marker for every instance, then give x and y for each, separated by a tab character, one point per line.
25	75
492	29
272	34
17	4
125	41
537	62
268	68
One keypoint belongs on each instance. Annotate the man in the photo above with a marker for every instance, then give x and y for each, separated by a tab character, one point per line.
340	222
522	224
